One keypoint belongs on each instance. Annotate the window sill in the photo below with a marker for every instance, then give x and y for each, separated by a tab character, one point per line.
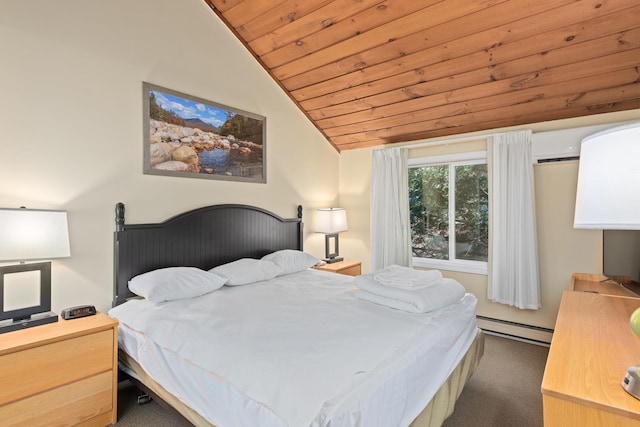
474	267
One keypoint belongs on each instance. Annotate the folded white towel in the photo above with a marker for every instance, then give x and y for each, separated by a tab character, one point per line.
440	294
388	302
406	278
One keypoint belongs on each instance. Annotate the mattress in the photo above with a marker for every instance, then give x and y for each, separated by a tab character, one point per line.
297	350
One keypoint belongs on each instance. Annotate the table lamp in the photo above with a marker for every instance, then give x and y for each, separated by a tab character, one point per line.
29	235
331	221
608	197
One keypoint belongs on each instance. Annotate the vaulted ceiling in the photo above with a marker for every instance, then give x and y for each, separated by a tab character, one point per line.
371	72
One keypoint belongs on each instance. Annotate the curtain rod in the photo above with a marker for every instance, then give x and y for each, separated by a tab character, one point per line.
443	142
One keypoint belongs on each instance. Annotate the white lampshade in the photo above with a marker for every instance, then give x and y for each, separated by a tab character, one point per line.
331	220
31	234
608	195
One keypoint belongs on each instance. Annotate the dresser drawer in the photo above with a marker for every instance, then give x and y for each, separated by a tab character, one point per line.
71	404
49	366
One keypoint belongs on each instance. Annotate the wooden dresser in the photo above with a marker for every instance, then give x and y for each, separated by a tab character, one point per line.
600	284
64	373
591	349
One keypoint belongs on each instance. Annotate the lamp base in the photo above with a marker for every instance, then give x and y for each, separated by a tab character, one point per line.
631	382
334	259
35	320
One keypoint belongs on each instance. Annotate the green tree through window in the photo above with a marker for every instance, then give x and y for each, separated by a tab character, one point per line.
448	208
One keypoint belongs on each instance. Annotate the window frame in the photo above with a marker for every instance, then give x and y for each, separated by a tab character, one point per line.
452	160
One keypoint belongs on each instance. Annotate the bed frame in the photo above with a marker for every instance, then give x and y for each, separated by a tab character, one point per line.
203	238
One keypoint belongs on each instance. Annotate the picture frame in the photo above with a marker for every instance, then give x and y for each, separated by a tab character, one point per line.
188	136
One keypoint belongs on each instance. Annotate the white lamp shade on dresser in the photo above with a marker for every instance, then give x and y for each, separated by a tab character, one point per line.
33	234
608	194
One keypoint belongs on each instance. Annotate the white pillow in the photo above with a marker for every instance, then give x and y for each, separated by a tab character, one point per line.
246	270
291	260
171	283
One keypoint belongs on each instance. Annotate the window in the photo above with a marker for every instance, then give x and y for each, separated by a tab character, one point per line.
449	212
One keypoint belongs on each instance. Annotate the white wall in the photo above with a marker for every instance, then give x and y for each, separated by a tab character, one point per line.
562	249
71	124
71	137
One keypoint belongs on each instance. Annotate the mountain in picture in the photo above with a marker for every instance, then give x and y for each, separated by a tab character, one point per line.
197	123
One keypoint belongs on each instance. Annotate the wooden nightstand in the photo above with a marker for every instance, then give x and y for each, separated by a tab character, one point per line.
63	373
349	268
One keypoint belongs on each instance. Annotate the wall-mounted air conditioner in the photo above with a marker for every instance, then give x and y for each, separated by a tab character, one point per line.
561	145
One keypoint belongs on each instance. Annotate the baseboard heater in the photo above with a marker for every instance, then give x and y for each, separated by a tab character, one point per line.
521	331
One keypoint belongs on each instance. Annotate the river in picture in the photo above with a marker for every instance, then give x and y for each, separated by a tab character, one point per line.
231	162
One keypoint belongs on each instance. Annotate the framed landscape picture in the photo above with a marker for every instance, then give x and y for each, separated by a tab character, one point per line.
191	137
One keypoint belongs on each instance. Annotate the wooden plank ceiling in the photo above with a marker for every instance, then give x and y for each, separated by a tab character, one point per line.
371	72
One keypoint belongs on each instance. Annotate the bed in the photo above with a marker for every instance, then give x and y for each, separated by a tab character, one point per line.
299	348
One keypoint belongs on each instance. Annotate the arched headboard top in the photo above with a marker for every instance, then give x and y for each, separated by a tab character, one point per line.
205	237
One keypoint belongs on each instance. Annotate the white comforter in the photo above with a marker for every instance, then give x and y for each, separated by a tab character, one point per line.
298	350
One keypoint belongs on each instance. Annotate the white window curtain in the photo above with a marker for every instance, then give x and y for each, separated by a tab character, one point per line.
390	242
513	263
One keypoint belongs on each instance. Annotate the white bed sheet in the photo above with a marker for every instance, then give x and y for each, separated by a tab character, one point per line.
298	350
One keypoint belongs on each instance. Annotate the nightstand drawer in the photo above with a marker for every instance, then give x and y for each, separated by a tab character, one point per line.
48	366
67	405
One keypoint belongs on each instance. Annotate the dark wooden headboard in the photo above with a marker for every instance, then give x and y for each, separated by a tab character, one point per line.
203	238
